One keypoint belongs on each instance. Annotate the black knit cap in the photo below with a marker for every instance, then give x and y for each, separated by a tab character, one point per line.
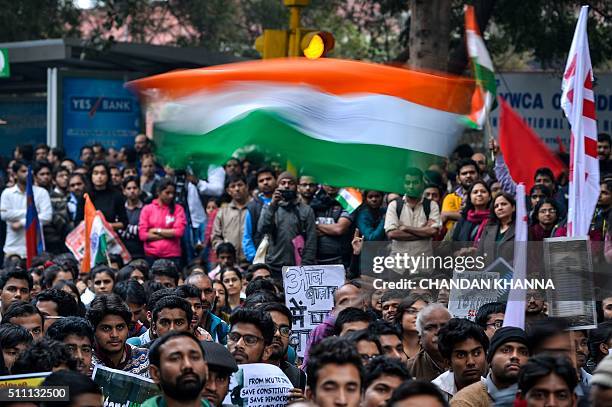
218	358
506	334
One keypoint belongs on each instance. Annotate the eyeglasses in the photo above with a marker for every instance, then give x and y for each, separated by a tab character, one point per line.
284	330
249	340
308	185
498	323
366	358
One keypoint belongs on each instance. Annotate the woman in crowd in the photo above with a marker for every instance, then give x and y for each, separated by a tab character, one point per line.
162	224
544	218
232	280
475	214
130	272
405	319
105	197
371	217
102	279
220	307
498	237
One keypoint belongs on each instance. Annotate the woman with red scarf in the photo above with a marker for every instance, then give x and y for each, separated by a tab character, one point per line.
474	215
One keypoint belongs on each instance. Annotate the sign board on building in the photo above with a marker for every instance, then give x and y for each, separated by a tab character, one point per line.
536	96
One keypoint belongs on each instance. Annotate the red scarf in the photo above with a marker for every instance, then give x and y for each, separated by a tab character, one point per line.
478	217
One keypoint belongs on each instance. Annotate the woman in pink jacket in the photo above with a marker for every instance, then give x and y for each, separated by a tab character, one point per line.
161	225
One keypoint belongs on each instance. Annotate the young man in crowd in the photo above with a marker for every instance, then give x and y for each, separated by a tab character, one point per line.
410	221
464	345
546	380
214	325
78	336
56	304
149	336
258	270
251	334
134	294
600	343
221	365
367	345
282	319
26	315
335	374
56	231
110	318
266	185
14	205
429	362
390	300
390	339
350	320
468	172
334	227
382	376
178	366
42	171
307	187
604	144
490	317
508	352
290	225
14	340
229	223
15	285
164	271
193	295
171	313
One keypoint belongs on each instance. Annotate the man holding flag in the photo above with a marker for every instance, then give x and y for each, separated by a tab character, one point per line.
24	206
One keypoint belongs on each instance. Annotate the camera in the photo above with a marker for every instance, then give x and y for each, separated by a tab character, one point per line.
288	195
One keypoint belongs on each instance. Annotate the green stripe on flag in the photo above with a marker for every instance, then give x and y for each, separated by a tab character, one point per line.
367	166
344	203
485	77
102	249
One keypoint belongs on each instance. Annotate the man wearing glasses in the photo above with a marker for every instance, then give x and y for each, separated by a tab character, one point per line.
56	304
282	318
251	334
490	317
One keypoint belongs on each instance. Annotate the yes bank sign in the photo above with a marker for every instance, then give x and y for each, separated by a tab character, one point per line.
536	96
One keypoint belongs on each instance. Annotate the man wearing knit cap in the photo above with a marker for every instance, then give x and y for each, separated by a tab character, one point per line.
601	384
290	226
221	365
508	352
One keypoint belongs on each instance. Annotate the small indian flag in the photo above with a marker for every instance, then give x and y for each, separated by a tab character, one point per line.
350	199
342	122
483	99
98	242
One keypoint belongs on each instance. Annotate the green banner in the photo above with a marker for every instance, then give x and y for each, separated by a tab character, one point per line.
5	72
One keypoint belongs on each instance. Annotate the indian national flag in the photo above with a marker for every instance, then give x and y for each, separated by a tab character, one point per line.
349	198
96	237
343	122
483	98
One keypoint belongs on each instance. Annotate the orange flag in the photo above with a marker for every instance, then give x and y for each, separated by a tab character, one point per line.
90	214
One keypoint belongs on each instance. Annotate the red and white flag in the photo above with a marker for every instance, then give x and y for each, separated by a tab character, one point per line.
578	103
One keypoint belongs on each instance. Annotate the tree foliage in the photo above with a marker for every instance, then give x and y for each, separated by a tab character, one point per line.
24	20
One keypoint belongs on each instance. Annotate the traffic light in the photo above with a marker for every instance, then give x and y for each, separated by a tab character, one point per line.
272	44
316	44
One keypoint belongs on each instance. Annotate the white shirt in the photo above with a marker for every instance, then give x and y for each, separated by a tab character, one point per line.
446	383
196	210
13	207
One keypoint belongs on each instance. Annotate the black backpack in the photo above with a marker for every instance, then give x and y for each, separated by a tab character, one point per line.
399	205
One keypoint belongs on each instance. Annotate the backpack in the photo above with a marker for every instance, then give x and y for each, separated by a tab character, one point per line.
399	205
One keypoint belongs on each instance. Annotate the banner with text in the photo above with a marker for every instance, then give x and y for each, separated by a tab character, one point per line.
258	385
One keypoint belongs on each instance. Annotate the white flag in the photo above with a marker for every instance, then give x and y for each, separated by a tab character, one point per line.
578	103
515	308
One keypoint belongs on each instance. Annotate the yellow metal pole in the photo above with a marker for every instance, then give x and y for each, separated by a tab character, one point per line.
295	9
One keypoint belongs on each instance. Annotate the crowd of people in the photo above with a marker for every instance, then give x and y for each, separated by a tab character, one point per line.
203	292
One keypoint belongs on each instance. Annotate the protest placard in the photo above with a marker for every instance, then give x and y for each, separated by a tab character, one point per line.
258	385
465	302
309	295
121	388
23	380
568	263
75	242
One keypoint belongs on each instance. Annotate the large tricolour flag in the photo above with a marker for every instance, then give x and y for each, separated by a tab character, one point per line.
483	99
35	243
578	103
343	122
